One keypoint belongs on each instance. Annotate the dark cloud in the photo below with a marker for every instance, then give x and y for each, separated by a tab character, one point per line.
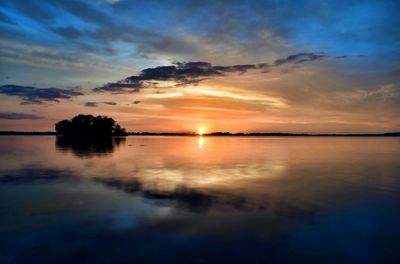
181	73
34	95
18	116
110	103
300	58
91	104
184	73
136	102
95	104
349	56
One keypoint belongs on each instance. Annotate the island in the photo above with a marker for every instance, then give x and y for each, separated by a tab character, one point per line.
89	126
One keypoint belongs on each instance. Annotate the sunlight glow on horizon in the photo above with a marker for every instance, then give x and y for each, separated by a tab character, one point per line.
200	131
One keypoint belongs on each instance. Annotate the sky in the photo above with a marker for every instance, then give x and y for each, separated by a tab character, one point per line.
309	66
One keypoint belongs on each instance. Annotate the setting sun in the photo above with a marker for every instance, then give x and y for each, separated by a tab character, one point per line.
200	131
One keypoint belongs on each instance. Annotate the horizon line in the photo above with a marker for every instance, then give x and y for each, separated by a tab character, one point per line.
218	133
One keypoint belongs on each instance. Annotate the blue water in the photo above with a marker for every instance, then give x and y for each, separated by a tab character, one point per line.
200	200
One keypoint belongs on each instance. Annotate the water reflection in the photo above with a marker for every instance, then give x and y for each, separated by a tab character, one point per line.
216	200
201	141
29	175
181	197
89	147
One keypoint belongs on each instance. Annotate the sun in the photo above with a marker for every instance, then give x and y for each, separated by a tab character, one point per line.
200	131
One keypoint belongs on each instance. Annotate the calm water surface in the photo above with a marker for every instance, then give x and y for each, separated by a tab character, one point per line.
200	200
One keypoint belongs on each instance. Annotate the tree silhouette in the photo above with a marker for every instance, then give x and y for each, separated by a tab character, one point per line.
89	126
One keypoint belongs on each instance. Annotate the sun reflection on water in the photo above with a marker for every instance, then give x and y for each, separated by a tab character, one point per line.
200	141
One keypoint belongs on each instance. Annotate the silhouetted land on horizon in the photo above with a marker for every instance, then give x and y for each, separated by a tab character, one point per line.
266	134
89	126
219	134
27	133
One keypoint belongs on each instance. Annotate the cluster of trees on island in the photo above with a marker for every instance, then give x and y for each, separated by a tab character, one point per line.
89	126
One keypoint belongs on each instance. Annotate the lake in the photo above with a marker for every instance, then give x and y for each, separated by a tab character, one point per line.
200	200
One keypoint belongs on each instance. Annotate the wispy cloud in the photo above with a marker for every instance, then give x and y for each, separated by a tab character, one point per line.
52	58
18	116
263	99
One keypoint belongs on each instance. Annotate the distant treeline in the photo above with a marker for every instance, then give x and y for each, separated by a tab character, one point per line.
266	134
27	133
257	134
161	134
